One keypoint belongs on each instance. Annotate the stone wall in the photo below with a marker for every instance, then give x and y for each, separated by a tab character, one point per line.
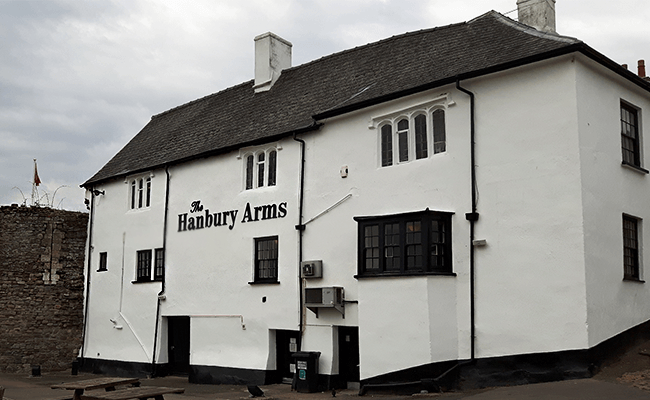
41	287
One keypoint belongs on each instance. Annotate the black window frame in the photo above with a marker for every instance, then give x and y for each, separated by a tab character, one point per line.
143	265
260	263
159	264
631	249
630	135
103	262
374	252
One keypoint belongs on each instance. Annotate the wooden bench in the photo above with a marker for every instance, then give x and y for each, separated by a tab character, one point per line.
142	393
107	383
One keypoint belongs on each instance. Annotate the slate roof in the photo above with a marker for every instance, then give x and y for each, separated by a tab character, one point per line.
336	84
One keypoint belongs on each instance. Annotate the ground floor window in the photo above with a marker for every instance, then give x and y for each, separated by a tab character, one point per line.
405	244
150	263
631	263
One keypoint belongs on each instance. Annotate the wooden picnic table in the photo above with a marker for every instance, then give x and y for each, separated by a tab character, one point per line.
107	383
143	392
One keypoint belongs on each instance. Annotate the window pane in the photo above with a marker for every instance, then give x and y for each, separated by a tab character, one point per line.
392	247
630	248
272	167
260	170
266	259
249	172
439	136
140	190
371	248
148	192
629	136
386	145
413	245
403	140
144	265
103	258
133	190
159	268
421	150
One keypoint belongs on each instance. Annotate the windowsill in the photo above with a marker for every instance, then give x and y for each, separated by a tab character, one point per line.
397	274
102	270
264	283
148	281
634	167
633	280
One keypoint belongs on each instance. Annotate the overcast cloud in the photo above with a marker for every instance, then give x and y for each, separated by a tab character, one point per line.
79	78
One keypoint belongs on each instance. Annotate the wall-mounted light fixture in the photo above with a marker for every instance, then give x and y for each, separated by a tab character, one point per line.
98	192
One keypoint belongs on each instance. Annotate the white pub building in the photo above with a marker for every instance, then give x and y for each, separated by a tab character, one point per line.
466	201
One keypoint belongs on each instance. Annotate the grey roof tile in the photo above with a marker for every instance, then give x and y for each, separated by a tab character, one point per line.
331	85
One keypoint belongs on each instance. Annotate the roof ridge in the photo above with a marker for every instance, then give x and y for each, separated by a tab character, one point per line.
377	43
249	82
527	28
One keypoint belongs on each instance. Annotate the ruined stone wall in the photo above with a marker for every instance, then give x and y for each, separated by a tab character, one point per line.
41	287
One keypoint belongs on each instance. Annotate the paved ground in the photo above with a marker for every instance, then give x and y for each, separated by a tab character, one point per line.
20	387
627	378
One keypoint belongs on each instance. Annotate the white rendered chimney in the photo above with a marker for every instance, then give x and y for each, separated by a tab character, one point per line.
540	14
272	55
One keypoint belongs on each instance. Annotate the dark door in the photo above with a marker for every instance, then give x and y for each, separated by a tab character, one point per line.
286	343
179	345
349	353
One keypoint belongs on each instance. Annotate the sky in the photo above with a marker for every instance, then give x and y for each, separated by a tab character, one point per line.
80	78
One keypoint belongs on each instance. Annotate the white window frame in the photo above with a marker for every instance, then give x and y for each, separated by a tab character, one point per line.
244	154
139	192
442	102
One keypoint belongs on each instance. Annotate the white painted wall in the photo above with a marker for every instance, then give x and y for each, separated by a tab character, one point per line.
121	232
609	190
551	193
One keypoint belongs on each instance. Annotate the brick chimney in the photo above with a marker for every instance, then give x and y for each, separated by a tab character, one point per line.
641	69
272	55
540	14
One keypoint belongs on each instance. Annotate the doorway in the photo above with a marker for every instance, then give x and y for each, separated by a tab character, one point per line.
178	346
349	353
286	343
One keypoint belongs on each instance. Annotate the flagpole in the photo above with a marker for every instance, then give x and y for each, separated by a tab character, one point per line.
35	183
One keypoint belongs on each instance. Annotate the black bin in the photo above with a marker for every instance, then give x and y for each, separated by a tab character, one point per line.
305	379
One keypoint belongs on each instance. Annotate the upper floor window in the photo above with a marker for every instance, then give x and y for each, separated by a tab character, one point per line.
140	193
405	244
630	140
260	169
416	137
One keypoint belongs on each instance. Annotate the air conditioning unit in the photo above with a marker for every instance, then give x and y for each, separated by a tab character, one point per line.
311	269
325	297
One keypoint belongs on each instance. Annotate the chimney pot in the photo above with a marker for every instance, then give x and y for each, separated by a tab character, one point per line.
641	68
540	14
272	55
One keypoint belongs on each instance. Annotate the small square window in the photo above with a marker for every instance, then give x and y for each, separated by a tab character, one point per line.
103	258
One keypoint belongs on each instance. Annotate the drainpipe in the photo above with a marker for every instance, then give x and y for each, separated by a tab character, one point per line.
472	218
300	228
90	241
162	290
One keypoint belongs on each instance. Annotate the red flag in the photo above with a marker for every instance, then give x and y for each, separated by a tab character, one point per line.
37	180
